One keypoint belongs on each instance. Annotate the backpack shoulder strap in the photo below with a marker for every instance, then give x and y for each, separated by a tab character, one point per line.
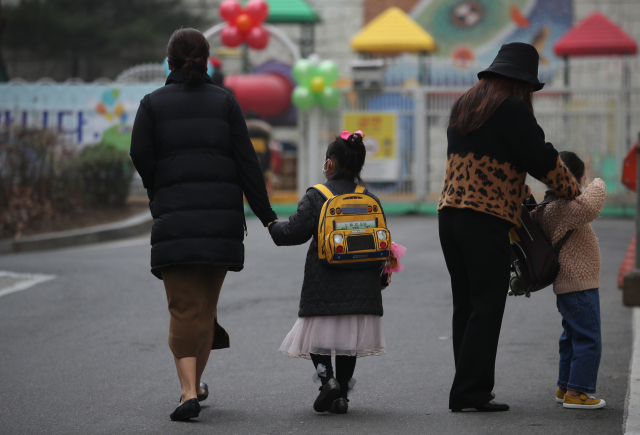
324	191
558	246
359	189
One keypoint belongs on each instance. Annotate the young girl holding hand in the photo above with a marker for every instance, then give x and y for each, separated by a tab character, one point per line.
340	309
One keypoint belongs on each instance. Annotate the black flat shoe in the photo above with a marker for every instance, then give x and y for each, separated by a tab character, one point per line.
202	397
493	407
339	406
189	409
328	393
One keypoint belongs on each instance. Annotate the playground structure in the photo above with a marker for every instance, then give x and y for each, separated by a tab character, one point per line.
405	115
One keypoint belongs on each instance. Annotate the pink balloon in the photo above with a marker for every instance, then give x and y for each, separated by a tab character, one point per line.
229	10
258	38
258	10
231	36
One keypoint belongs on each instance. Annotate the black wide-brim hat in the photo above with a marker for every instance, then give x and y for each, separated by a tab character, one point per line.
517	61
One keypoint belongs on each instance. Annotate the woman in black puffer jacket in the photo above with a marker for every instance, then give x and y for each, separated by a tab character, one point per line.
191	148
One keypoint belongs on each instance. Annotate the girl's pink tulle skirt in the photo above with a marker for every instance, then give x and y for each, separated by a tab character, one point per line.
351	335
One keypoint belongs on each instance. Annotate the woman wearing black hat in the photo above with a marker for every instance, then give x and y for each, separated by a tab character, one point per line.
493	142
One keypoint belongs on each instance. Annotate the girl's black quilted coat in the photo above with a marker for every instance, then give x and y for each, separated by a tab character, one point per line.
328	291
191	148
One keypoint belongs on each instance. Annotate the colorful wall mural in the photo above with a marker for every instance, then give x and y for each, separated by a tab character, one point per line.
469	33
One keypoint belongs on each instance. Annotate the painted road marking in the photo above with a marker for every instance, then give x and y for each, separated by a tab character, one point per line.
632	411
21	281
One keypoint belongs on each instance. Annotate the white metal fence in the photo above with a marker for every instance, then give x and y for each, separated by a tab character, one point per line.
599	124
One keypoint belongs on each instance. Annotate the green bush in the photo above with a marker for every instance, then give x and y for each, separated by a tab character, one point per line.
30	190
42	178
105	173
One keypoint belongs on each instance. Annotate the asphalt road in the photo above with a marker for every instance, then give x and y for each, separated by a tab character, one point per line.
86	353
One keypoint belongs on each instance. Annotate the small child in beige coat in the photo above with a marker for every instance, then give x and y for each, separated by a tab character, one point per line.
576	286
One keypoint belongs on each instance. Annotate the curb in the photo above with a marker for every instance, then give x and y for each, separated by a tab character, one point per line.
130	227
431	209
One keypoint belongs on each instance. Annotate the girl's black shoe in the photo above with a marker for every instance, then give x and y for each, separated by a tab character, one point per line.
202	397
339	406
189	409
328	393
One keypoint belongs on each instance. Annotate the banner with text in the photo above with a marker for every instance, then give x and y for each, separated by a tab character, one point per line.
83	114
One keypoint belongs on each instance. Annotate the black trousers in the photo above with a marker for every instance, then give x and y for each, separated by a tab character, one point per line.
476	250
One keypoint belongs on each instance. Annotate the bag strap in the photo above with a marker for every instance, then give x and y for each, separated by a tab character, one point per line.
549	197
324	191
359	189
558	246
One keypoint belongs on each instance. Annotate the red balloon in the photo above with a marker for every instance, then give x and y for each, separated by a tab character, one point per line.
258	38
258	10
229	10
231	36
264	93
244	22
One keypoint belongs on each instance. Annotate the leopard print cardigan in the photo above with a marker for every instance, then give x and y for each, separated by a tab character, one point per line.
488	185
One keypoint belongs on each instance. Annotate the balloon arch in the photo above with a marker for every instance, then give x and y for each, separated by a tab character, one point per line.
274	31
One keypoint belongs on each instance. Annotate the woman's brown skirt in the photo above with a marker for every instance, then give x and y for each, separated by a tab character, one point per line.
192	294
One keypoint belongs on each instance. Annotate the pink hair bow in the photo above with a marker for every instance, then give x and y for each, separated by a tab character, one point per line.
346	135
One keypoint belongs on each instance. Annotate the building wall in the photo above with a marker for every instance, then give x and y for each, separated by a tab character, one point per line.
373	8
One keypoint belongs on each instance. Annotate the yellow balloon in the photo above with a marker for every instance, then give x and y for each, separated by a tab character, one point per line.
317	84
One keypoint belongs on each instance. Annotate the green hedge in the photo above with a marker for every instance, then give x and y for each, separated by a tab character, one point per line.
42	177
105	173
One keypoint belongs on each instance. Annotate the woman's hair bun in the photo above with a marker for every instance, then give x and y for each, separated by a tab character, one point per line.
188	50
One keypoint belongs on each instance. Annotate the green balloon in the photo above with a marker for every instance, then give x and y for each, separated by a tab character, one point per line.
303	71
329	71
330	98
302	98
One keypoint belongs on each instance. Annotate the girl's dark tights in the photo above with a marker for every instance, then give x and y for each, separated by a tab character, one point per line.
345	366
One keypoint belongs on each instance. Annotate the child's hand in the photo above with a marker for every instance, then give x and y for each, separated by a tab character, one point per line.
384	281
269	224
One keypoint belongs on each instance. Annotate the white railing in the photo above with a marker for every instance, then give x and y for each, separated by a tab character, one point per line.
599	124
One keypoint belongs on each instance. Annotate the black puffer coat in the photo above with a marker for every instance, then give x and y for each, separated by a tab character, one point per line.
191	147
328	291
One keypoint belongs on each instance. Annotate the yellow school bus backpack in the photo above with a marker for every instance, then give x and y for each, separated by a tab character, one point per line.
352	230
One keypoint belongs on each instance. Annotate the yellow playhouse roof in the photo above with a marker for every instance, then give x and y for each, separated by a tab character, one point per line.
393	31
